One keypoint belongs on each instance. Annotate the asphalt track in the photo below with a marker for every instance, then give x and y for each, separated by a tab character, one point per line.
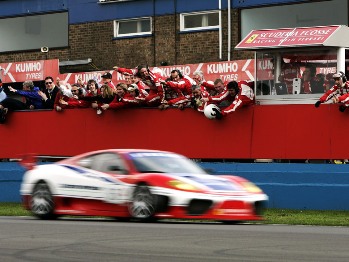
29	239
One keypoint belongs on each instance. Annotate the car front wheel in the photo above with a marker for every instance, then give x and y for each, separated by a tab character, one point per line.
42	204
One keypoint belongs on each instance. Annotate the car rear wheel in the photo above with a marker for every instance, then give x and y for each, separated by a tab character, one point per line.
143	204
42	204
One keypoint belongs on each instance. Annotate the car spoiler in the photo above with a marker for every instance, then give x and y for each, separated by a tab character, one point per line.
28	161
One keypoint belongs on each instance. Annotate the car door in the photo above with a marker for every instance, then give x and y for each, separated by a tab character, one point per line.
112	167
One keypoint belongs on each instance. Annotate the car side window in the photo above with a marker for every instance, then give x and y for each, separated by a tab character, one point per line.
87	162
109	163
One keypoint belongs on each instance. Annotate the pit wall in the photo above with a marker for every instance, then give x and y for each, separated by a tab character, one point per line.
289	186
255	132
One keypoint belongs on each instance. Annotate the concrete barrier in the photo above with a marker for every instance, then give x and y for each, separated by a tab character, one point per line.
289	186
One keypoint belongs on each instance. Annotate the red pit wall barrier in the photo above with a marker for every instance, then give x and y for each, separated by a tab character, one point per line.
268	131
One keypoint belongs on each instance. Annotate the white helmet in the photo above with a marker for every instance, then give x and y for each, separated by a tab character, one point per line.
209	112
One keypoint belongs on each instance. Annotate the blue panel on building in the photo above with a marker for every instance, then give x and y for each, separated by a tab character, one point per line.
28	7
250	3
84	11
130	9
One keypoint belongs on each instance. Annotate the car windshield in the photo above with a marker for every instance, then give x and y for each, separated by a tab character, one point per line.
159	162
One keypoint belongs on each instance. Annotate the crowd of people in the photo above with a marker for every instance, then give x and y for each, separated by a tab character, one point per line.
141	87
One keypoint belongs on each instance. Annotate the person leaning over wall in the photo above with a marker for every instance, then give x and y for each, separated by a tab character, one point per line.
340	87
29	99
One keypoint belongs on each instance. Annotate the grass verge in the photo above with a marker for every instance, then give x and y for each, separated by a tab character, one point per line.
306	217
12	209
272	216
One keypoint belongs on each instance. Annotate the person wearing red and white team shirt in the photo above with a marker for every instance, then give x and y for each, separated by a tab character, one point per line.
150	78
219	88
343	100
65	102
132	95
180	82
182	85
143	89
197	98
244	96
123	98
340	88
226	96
198	77
131	79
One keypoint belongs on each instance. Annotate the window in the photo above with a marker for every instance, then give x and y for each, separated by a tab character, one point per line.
301	74
132	27
104	162
200	21
34	32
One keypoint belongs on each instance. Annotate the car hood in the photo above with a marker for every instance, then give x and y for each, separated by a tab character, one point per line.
209	182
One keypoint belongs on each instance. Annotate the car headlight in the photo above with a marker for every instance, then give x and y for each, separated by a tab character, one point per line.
250	187
182	185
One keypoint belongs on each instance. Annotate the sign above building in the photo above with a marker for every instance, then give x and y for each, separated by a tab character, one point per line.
335	35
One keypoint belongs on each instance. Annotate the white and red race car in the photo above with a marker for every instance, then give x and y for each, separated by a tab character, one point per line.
138	184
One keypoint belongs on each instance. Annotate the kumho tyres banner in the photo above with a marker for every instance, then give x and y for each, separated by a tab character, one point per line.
28	70
227	71
38	70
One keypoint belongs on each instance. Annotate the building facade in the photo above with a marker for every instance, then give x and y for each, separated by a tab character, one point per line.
103	33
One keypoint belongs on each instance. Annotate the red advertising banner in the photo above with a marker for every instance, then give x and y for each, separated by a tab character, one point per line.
271	38
37	70
29	70
227	71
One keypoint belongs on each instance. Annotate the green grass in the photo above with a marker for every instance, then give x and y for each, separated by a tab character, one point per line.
306	217
272	216
12	209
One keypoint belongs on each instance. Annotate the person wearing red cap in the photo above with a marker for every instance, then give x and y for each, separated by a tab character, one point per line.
340	87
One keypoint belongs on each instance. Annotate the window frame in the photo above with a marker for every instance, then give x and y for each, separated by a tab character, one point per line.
139	19
202	28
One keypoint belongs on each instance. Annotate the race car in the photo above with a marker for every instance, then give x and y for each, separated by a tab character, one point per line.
138	185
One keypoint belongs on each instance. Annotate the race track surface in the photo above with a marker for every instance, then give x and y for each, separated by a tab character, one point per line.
29	239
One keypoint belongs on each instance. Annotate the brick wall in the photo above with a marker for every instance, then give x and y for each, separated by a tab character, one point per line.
95	40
